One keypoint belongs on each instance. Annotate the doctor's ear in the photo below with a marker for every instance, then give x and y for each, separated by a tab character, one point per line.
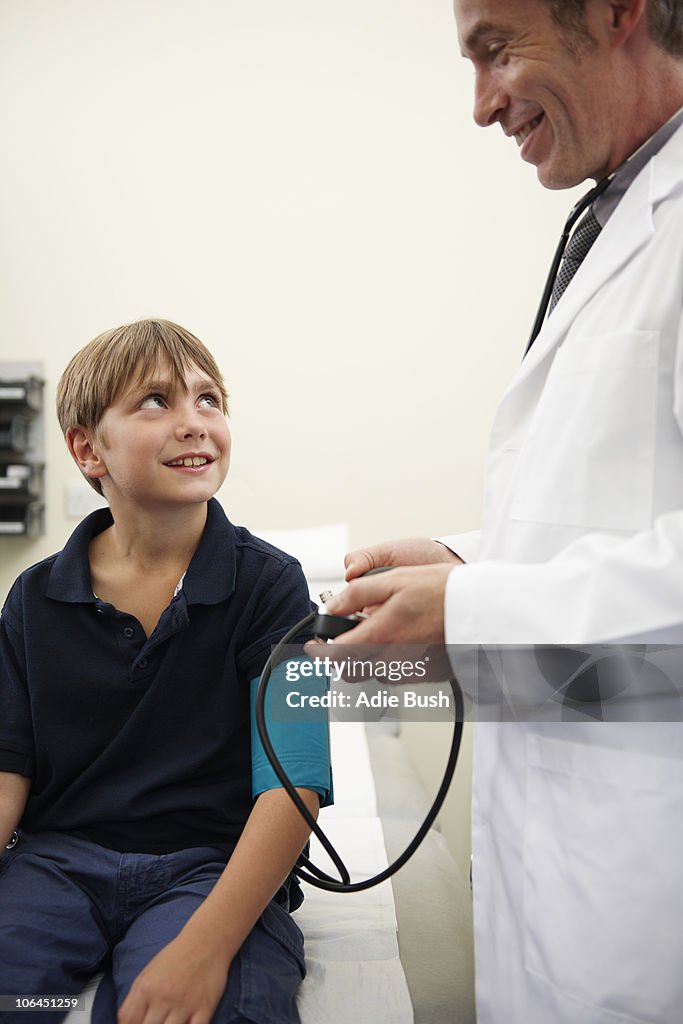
83	448
625	16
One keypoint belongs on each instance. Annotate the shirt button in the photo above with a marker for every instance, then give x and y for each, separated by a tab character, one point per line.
143	663
129	633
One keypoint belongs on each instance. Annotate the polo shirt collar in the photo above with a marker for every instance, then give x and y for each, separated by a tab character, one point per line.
210	577
70	575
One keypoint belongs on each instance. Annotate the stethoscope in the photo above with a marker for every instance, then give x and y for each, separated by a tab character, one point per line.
576	212
326	627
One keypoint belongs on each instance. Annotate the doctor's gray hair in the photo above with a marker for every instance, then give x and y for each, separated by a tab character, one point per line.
664	21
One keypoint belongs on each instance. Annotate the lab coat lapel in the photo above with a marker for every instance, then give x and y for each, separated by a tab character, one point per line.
629	228
626	232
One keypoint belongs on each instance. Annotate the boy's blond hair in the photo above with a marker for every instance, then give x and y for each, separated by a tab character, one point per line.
116	360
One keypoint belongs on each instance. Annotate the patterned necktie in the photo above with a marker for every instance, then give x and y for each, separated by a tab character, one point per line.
585	234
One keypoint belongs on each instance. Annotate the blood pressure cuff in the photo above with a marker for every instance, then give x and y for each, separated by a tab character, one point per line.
301	742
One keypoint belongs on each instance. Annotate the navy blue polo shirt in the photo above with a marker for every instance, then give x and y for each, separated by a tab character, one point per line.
142	744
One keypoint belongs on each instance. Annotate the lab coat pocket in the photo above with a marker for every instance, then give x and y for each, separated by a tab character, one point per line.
602	877
588	457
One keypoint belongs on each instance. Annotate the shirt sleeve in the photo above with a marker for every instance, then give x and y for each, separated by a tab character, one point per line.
16	733
605	585
464	545
283	600
299	734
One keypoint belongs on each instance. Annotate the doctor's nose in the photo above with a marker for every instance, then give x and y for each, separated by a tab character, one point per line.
490	99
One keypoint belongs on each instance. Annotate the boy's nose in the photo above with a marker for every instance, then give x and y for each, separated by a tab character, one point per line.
188	434
189	428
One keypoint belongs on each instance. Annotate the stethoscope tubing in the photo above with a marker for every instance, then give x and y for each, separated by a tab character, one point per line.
314	875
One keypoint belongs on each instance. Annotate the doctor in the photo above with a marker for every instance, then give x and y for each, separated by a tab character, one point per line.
577	827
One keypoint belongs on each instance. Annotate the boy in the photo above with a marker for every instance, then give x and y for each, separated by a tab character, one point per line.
125	669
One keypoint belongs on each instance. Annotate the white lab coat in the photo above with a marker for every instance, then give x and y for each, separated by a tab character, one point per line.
578	828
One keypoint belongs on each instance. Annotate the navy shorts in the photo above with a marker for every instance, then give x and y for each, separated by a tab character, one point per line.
70	909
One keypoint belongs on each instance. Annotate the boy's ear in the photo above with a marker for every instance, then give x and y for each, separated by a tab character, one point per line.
81	445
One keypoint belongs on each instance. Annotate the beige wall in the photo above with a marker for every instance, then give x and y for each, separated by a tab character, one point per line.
301	185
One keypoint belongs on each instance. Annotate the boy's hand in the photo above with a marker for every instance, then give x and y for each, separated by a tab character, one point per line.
185	981
181	985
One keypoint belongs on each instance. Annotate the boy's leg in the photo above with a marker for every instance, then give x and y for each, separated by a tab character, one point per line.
263	977
271	967
51	934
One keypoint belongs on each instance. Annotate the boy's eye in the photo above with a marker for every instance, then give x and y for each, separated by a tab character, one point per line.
154	401
210	399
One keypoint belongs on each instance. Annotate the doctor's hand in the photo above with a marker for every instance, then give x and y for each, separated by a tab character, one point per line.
404	606
412	551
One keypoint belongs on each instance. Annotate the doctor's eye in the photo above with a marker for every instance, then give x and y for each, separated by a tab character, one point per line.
497	53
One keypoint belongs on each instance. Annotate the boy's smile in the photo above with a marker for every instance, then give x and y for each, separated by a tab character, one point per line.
191	461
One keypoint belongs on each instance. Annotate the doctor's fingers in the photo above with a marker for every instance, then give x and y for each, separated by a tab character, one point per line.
388	627
411	606
357	563
409	551
361	594
376	588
